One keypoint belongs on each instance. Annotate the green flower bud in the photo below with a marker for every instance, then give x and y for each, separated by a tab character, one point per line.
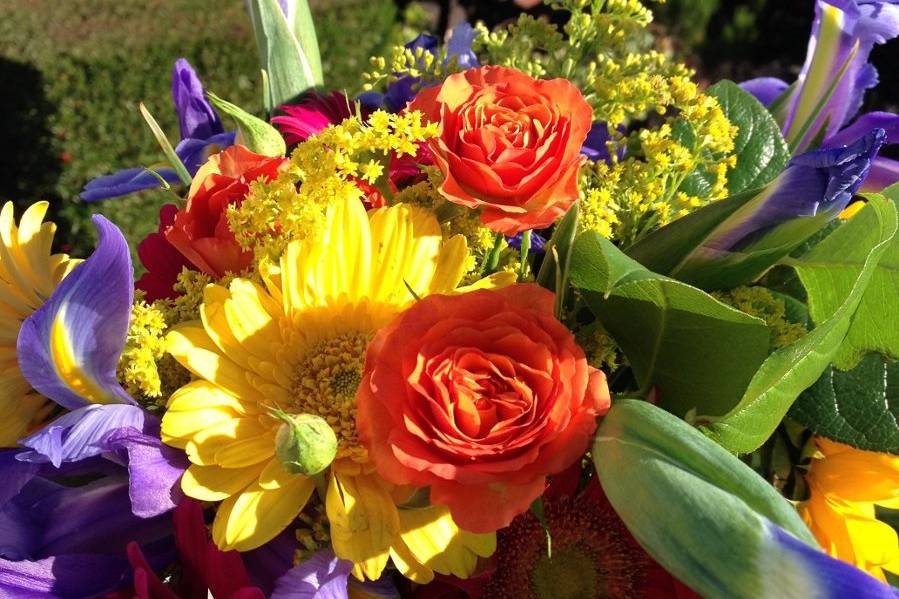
304	444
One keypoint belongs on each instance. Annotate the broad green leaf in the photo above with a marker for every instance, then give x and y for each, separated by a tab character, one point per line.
253	132
304	30
858	407
698	352
829	269
291	71
760	148
556	264
707	518
792	369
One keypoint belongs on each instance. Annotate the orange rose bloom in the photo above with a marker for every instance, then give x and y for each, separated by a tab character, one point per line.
200	230
479	396
508	144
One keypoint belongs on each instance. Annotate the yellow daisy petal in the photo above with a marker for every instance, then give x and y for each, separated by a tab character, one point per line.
436	542
255	516
214	483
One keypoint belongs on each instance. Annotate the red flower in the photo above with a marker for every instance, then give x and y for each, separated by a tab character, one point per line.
205	568
508	144
200	231
162	261
479	396
593	553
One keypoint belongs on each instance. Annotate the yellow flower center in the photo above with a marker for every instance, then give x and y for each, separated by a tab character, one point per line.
325	384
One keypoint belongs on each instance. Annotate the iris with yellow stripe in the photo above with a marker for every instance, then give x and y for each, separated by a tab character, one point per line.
297	343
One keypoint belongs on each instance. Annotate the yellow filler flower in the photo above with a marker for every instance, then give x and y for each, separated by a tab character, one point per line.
28	275
296	347
846	484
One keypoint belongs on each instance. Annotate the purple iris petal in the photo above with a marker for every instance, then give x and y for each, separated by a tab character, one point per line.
863	125
595	147
14	473
196	117
322	576
63	541
271	561
834	579
124	182
840	26
80	433
765	89
538	243
884	173
201	134
194	152
88	315
459	46
817	182
154	469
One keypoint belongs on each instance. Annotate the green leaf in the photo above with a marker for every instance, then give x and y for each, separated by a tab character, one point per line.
858	407
166	145
828	270
692	505
662	250
697	351
304	31
760	148
556	264
792	369
291	71
253	132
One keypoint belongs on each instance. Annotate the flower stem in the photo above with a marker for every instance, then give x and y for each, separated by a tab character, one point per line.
525	249
492	259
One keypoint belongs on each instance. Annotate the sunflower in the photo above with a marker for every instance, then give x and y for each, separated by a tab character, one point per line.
845	486
296	343
28	275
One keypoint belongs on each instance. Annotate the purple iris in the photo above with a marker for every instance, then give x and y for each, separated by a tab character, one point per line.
201	134
402	91
324	576
817	183
66	541
89	311
843	35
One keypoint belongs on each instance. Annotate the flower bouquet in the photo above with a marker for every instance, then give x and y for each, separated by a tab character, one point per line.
532	315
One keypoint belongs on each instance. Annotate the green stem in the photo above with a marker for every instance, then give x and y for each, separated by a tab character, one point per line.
525	250
492	259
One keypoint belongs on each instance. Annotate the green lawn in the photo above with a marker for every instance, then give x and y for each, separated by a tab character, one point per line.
72	73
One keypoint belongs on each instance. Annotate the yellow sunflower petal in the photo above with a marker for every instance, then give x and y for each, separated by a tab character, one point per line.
207	443
364	520
255	516
214	483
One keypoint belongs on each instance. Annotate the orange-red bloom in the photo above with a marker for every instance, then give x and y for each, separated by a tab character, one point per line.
200	230
509	144
479	396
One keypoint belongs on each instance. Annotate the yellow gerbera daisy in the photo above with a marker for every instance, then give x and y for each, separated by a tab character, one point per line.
297	344
28	275
846	484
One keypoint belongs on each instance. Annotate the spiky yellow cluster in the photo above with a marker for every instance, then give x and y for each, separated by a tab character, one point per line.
322	169
144	347
760	302
668	172
424	65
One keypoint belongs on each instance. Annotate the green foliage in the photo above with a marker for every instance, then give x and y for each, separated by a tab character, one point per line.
255	133
828	270
759	146
689	502
556	265
791	370
858	407
698	352
94	60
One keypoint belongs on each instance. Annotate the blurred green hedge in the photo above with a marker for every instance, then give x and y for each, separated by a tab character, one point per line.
73	72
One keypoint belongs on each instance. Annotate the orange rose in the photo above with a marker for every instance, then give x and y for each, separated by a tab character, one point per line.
508	144
479	396
200	230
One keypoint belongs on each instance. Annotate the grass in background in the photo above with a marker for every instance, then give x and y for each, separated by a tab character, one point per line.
73	72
